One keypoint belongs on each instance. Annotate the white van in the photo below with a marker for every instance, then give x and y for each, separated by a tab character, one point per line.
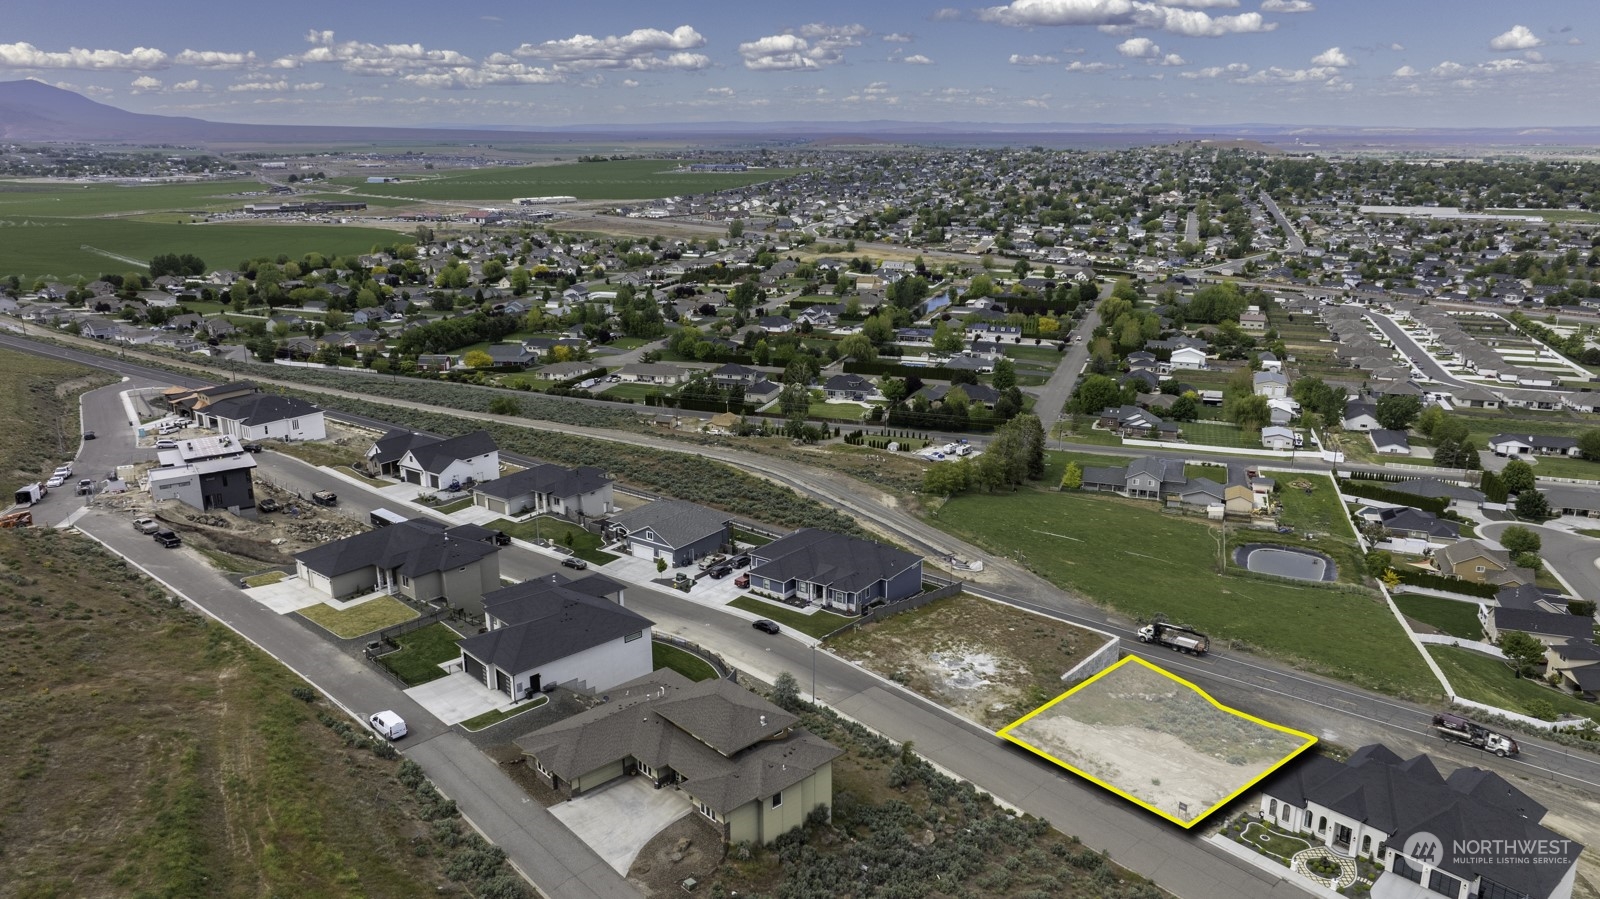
388	725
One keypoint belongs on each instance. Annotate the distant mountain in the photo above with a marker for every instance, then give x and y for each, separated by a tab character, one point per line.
36	112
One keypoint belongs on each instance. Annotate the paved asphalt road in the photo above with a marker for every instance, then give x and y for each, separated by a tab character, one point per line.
1575	557
1332	710
1191	228
1294	243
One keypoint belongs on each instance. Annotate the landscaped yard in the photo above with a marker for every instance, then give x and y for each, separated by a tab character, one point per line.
372	615
1453	617
262	580
749	539
1486	679
1277	844
817	624
635	392
495	716
682	661
836	411
556	530
422	652
1130	556
1216	433
457	506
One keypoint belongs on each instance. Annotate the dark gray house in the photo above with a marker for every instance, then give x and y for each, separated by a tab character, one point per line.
419	559
553	631
671	529
574	493
207	473
841	572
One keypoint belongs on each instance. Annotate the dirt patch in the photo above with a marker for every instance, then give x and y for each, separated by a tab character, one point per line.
988	661
689	847
515	765
1154	738
1576	816
269	538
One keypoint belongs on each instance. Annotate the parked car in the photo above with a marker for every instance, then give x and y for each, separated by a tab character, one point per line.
325	498
85	486
742	580
388	725
166	444
765	626
55	481
146	525
721	571
268	505
252	447
741	562
574	562
88	435
168	539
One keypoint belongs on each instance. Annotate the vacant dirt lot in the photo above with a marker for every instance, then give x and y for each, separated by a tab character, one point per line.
988	661
1156	739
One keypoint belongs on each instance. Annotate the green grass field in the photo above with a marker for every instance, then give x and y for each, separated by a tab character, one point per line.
422	652
1453	617
372	615
556	530
634	179
1319	511
1143	562
1212	433
1486	679
817	624
80	200
40	428
55	247
685	663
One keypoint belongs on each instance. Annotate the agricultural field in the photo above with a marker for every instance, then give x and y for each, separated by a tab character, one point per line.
62	248
1156	740
1132	557
634	179
60	200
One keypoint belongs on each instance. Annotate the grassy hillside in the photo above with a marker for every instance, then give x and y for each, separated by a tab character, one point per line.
39	416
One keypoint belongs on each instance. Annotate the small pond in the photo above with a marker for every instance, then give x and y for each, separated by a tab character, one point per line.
1283	561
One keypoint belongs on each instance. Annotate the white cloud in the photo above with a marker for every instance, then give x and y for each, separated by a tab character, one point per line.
23	55
1325	74
1194	23
1406	72
494	71
1032	59
635	50
917	59
814	47
1396	47
1447	68
191	86
946	14
1078	65
629	82
259	86
214	59
1233	68
1060	12
145	84
1518	38
719	91
1287	6
1119	16
1139	48
1332	57
310	86
1172	59
379	60
897	38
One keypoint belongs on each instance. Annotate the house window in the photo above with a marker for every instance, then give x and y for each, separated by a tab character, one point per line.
777	799
1272	809
539	766
405	581
633	636
1308	819
1479	569
706	810
295	423
1443	884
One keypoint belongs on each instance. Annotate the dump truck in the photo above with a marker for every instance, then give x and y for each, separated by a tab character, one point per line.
1462	730
1174	637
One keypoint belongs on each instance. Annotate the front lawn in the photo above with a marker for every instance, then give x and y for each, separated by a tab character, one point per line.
1487	679
682	661
817	624
836	411
1450	616
372	615
495	716
1312	506
635	392
1216	433
457	506
556	530
1130	556
422	652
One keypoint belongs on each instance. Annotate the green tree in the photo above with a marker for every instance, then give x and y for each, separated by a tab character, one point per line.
1531	505
947	339
1517	476
1095	394
858	347
795	401
947	479
1519	539
1005	375
504	405
1589	445
661	564
1250	413
1493	487
1072	477
736	229
1397	412
786	692
1184	408
478	359
1523	651
982	286
1378	561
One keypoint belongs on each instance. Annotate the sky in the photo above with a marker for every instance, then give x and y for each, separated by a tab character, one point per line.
1380	63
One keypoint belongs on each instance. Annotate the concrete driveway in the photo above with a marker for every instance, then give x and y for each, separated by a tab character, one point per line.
620	817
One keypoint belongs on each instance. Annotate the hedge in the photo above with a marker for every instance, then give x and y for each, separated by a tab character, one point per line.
894	369
1448	584
1369	490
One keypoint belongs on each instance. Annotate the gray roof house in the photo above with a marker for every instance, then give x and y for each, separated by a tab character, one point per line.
1551	628
835	570
1388	442
419	559
741	762
1372	804
674	529
575	493
462	460
552	631
386	452
261	416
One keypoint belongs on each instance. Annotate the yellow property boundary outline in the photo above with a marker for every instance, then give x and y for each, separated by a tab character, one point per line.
1005	733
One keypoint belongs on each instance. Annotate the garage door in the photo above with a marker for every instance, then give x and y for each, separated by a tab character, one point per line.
475	669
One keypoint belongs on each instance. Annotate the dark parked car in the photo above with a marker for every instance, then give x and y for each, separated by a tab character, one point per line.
268	505
167	539
575	562
721	571
765	626
741	562
252	447
501	538
325	498
742	580
88	435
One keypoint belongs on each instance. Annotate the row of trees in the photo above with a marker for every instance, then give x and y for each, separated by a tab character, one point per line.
1014	457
